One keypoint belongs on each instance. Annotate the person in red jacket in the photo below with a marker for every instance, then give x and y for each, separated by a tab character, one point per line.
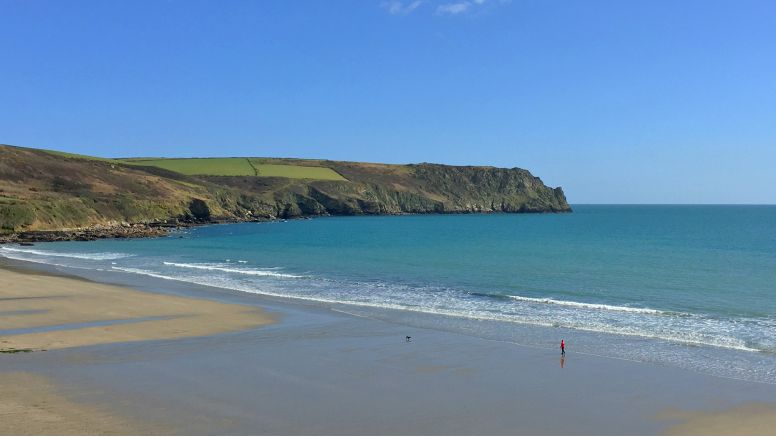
562	347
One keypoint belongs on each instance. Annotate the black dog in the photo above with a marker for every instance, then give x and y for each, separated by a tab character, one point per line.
409	338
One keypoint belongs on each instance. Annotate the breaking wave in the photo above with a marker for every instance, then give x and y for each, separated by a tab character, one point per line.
99	256
591	306
241	271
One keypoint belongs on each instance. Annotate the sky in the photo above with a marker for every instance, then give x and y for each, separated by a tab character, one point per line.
653	101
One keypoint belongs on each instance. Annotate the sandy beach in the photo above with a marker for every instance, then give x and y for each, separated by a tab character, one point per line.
195	360
44	312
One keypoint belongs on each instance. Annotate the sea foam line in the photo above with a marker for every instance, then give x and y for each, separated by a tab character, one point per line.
678	337
219	268
592	306
91	256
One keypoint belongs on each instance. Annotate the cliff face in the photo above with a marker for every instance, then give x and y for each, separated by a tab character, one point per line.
481	189
44	191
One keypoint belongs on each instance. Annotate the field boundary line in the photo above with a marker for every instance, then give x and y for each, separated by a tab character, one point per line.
255	170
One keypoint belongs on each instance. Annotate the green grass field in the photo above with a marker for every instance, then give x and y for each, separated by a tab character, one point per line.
200	166
223	166
296	171
237	167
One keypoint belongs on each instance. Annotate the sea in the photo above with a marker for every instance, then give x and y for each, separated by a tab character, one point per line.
689	286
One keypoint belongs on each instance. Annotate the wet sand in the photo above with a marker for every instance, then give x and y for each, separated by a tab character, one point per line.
31	404
319	371
746	419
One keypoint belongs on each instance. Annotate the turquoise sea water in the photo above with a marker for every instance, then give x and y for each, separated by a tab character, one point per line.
693	286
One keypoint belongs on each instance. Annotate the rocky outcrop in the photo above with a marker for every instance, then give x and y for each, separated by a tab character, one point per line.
87	234
199	210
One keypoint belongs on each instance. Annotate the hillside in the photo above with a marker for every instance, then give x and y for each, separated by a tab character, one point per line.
50	190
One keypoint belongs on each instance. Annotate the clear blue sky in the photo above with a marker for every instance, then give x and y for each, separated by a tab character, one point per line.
617	101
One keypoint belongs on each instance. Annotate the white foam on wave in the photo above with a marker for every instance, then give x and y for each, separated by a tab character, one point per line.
98	256
221	268
592	306
39	261
236	287
683	336
154	274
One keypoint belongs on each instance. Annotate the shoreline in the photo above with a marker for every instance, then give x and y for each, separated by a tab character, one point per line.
471	384
164	228
705	357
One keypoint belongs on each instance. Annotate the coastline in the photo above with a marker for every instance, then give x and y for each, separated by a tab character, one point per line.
163	228
280	378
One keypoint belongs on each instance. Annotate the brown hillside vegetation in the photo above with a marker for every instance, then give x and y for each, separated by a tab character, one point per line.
45	190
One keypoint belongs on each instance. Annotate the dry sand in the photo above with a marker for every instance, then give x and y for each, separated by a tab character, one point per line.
53	310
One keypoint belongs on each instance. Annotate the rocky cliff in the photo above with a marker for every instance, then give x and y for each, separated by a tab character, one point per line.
421	188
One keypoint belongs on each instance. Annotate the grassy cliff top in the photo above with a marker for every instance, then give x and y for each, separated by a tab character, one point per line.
239	167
